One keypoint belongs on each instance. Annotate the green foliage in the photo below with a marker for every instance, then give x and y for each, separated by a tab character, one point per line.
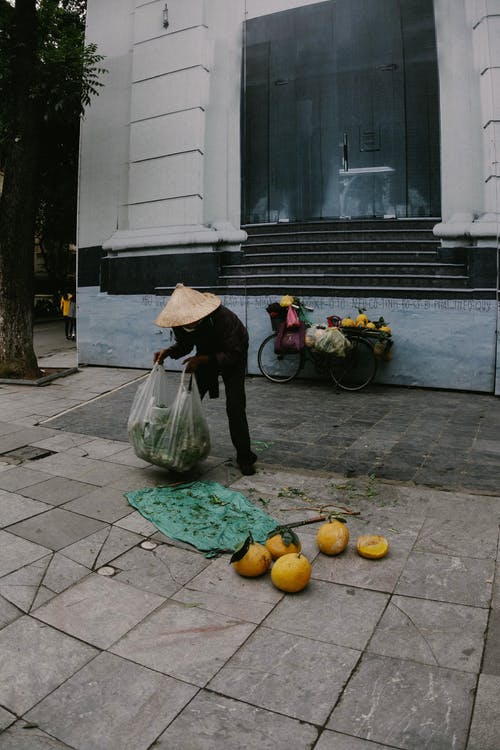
67	75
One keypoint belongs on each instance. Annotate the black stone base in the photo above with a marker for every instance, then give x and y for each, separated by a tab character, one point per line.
142	274
482	267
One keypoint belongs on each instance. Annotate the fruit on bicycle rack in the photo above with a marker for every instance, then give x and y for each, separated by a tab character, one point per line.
251	559
282	542
372	546
333	537
362	320
291	572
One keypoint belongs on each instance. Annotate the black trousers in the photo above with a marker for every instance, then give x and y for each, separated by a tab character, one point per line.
234	383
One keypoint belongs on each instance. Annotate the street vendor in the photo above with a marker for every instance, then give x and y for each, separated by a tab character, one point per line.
200	321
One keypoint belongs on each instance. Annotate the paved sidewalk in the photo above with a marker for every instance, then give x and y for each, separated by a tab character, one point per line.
176	651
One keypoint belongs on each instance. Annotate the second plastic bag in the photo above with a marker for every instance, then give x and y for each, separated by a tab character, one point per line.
333	341
175	436
151	399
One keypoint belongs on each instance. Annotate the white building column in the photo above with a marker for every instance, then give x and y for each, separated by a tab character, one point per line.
183	170
471	126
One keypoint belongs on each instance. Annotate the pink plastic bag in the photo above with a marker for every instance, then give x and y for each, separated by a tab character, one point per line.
292	319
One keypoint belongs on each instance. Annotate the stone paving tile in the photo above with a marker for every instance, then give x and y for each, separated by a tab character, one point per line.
480	480
19	477
116	543
460	580
87	550
102	473
220	577
97	448
495	601
6	719
21	586
15	552
185	642
451	536
57	490
127	457
331	613
7	428
56	528
131	478
62	441
336	741
98	610
113	704
105	504
383	703
24	736
22	437
36	659
220	602
485	727
445	635
213	722
137	523
380	575
491	661
8	612
14	508
262	671
80	468
441	504
162	571
62	573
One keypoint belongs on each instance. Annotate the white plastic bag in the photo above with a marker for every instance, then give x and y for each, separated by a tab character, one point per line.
150	402
333	341
174	437
313	333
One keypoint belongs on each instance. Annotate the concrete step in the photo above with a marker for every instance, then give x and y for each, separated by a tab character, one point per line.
301	267
353	236
403	225
341	280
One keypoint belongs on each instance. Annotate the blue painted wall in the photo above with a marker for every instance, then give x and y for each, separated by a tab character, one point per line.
437	343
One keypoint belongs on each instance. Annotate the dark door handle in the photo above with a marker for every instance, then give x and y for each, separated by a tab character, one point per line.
345	153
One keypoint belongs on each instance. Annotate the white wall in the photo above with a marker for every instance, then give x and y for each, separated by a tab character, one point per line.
222	146
437	343
461	131
105	129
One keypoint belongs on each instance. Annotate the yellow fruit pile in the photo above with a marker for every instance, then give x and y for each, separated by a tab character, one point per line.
290	569
333	537
362	321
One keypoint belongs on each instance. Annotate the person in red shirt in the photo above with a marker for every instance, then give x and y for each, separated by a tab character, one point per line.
199	321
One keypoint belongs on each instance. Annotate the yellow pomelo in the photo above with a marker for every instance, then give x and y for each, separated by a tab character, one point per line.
291	572
372	546
332	537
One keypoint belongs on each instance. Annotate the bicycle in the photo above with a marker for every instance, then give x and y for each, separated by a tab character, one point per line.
351	372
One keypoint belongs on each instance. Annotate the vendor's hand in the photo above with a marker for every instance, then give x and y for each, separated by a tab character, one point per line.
160	356
192	363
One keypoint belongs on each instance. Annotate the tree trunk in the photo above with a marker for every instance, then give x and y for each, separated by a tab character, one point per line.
18	208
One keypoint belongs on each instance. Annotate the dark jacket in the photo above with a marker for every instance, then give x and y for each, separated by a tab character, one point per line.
223	337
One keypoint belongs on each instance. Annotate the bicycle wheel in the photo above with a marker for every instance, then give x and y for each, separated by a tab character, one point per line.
357	368
280	368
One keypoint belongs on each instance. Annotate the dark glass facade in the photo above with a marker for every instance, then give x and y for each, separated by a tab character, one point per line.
340	112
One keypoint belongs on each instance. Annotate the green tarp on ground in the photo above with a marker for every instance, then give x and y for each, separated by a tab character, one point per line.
211	517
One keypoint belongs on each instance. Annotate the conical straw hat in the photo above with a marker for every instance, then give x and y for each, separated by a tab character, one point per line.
186	306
